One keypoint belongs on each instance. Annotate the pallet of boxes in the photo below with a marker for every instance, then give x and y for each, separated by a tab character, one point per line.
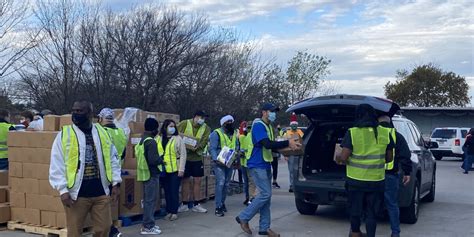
4	199
35	206
131	191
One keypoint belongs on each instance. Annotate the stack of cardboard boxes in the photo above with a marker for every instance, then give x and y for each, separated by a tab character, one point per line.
4	197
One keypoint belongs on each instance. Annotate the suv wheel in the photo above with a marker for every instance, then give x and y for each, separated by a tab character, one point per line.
305	208
438	157
431	195
409	215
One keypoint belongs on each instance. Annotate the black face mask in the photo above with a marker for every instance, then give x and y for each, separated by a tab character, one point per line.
80	120
229	127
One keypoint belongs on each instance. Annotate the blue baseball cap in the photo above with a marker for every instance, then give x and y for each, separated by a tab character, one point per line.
270	107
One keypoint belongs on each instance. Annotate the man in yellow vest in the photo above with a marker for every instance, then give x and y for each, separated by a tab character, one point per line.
259	164
84	164
149	167
366	148
246	147
225	136
118	136
119	139
392	180
191	192
5	127
293	132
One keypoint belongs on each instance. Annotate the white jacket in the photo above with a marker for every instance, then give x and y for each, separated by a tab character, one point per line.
57	169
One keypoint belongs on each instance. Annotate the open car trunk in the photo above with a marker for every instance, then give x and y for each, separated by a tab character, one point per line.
318	161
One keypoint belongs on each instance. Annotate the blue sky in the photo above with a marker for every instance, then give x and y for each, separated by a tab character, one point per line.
367	41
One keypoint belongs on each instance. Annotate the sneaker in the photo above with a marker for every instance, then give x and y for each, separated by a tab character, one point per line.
224	208
114	232
183	208
465	172
275	185
168	216
246	202
153	231
199	208
219	212
173	217
291	190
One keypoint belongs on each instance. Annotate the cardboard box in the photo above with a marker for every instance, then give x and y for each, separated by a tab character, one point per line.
190	142
3	177
207	170
46	189
65	120
3	195
44	202
136	127
61	220
24	185
161	117
15	169
131	194
114	208
337	152
31	139
289	152
31	216
48	218
17	199
29	155
51	123
36	171
118	113
4	213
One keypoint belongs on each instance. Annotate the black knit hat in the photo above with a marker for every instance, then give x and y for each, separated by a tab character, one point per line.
151	124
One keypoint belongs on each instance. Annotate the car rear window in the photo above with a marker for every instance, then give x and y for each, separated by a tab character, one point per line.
444	133
463	133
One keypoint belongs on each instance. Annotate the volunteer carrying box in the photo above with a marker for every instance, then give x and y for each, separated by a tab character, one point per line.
288	151
227	156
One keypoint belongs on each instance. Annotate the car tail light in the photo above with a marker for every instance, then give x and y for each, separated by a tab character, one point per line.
457	142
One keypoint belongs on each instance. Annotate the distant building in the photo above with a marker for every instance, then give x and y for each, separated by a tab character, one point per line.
428	118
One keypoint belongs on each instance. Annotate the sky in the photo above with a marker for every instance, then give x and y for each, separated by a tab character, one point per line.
367	41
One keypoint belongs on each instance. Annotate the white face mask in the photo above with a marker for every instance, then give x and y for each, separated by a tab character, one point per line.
171	130
200	121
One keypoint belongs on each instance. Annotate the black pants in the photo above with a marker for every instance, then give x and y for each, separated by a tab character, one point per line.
171	183
275	168
367	204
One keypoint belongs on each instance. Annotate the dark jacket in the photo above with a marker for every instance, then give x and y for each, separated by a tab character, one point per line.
152	157
469	145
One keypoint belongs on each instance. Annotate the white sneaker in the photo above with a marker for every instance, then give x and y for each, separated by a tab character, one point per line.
199	208
153	231
183	208
173	217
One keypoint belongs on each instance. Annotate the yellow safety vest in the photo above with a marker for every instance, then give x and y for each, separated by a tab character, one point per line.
4	129
367	161
267	153
119	139
189	131
246	145
70	146
225	140
143	172
389	166
169	154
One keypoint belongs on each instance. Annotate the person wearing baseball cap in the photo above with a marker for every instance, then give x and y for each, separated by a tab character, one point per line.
259	165
198	129
225	136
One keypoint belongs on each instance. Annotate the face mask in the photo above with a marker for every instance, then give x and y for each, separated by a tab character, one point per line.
171	130
229	127
200	121
272	116
294	127
80	119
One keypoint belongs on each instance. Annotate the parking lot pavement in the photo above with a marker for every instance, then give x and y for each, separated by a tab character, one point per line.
452	213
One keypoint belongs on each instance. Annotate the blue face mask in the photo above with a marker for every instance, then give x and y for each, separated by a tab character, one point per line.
171	130
272	116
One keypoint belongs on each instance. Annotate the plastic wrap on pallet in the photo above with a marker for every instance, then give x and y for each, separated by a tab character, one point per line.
129	114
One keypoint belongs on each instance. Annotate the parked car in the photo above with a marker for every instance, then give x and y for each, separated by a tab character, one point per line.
450	141
320	181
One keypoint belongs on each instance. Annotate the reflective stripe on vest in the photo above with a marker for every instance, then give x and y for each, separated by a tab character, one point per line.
71	154
267	154
143	173
4	129
389	166
119	139
169	154
189	131
367	161
225	140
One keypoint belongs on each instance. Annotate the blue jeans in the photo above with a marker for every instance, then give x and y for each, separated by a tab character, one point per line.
261	203
223	175
245	178
392	185
150	189
291	163
467	164
3	164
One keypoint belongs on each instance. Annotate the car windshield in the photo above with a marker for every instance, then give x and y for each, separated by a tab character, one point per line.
444	133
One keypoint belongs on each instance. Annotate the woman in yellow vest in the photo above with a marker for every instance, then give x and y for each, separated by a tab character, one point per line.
366	148
173	150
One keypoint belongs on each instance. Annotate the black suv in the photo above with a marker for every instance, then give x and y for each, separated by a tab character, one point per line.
320	181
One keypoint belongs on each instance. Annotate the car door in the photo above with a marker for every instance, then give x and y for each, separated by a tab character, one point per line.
425	157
